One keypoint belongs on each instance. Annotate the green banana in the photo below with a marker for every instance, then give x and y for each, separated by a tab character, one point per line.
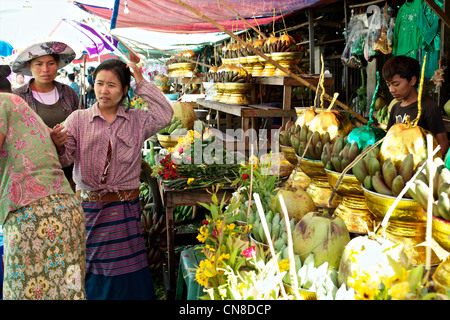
379	185
389	172
422	192
397	185
353	152
407	167
360	171
367	182
374	165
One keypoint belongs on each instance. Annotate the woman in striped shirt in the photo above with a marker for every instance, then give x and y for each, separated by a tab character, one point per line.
105	143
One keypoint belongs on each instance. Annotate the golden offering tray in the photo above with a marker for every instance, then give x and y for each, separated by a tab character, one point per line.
407	224
256	66
441	234
236	93
319	189
353	209
182	69
287	60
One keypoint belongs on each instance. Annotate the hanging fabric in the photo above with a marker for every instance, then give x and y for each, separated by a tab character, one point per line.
353	54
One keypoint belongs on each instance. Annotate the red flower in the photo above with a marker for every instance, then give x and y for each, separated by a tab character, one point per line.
205	222
215	233
250	252
245	176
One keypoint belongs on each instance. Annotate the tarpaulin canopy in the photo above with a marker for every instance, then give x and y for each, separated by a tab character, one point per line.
171	17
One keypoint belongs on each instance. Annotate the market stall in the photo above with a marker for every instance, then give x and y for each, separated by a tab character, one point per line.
331	204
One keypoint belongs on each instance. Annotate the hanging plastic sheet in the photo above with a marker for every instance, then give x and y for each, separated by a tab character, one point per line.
169	16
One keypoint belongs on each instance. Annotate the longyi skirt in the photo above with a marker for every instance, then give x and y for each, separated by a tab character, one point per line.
116	258
44	250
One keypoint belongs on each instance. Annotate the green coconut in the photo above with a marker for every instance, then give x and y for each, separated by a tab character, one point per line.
322	235
298	203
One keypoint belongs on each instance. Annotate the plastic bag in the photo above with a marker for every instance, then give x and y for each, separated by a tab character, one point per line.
384	42
352	55
373	33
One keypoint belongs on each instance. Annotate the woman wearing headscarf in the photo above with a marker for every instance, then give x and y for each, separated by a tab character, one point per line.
42	220
53	101
105	143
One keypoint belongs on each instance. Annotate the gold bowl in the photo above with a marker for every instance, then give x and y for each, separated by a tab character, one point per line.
182	69
314	169
287	60
407	210
319	188
353	209
407	224
168	141
441	232
236	93
219	91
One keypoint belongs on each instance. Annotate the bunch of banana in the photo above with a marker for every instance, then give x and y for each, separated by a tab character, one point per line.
383	115
420	190
229	76
182	213
277	229
384	177
174	124
285	133
154	228
315	147
338	154
284	43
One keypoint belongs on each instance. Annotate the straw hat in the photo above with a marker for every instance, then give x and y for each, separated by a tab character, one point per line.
36	50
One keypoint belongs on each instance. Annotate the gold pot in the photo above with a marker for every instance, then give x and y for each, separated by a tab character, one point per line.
269	69
167	141
236	93
319	189
256	66
289	154
441	233
407	224
219	90
352	209
182	69
287	60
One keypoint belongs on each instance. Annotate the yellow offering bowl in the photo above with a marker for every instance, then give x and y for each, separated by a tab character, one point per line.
407	224
352	209
319	189
441	233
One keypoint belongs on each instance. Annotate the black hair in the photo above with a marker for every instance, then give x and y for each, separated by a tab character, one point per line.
71	76
5	85
120	70
404	66
90	69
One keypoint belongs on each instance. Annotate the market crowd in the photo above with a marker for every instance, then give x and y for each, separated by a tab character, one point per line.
69	208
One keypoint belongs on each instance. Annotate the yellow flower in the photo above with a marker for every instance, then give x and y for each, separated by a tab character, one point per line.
189	181
365	288
399	290
231	226
218	225
283	265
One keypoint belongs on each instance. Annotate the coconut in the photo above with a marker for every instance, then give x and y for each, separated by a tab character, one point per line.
185	112
298	202
322	235
363	254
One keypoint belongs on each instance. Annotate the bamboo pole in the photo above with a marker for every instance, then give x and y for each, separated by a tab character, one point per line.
276	64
